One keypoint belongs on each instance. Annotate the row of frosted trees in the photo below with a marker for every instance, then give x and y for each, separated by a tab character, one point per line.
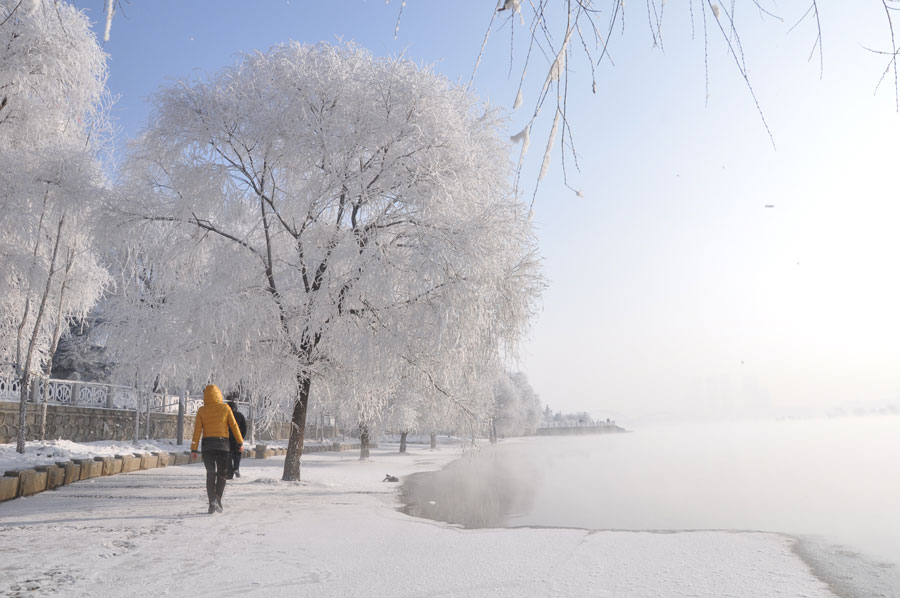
313	223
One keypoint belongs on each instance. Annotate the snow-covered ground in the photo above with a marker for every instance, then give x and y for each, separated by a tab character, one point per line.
339	533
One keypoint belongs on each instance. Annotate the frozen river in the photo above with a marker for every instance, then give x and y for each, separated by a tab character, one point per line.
834	484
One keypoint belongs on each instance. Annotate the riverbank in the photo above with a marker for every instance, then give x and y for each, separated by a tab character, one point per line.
683	478
339	532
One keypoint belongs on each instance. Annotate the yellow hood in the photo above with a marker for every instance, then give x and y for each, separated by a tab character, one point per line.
212	395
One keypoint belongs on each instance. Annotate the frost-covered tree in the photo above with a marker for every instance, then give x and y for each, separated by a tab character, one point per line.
531	407
505	415
80	355
517	408
405	413
316	216
52	85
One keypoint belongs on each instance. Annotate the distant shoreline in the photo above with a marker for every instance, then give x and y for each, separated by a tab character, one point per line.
579	430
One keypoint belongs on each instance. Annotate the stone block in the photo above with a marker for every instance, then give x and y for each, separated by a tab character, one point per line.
9	488
30	481
336	446
72	471
56	475
148	461
116	465
89	468
106	465
260	452
162	458
182	458
129	463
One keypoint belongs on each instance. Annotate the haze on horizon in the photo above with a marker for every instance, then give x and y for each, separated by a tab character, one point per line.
675	293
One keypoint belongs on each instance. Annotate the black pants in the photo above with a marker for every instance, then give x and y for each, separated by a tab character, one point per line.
234	463
216	462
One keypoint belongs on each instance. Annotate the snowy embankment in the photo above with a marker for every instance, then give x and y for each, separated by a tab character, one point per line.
51	451
339	533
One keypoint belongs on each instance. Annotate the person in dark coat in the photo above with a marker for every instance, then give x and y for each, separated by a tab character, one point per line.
234	464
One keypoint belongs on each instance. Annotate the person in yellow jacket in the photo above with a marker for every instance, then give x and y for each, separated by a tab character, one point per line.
213	421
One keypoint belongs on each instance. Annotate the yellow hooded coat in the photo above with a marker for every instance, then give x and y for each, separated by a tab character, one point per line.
214	418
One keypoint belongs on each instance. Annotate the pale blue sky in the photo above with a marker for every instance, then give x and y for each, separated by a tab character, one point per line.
673	291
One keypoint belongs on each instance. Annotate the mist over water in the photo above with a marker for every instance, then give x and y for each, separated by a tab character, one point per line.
834	483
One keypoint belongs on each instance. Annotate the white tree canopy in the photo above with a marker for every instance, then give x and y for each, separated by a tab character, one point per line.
52	86
316	215
517	408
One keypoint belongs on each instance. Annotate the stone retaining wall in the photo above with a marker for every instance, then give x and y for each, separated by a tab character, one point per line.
28	482
276	431
84	424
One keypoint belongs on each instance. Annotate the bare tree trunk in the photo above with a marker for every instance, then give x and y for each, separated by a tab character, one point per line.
492	433
24	388
363	441
25	372
403	441
433	440
298	427
44	413
57	332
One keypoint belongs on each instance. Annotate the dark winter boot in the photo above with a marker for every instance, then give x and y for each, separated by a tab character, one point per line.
212	508
218	505
211	490
220	489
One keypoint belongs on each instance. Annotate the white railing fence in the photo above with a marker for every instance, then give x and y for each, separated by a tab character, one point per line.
92	394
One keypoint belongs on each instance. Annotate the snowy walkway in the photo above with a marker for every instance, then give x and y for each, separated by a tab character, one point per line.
339	534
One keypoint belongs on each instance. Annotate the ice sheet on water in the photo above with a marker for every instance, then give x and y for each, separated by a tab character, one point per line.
850	574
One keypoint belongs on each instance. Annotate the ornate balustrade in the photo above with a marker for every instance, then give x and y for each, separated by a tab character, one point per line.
75	393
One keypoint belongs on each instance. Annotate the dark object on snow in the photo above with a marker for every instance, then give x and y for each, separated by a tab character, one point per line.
234	464
390	478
